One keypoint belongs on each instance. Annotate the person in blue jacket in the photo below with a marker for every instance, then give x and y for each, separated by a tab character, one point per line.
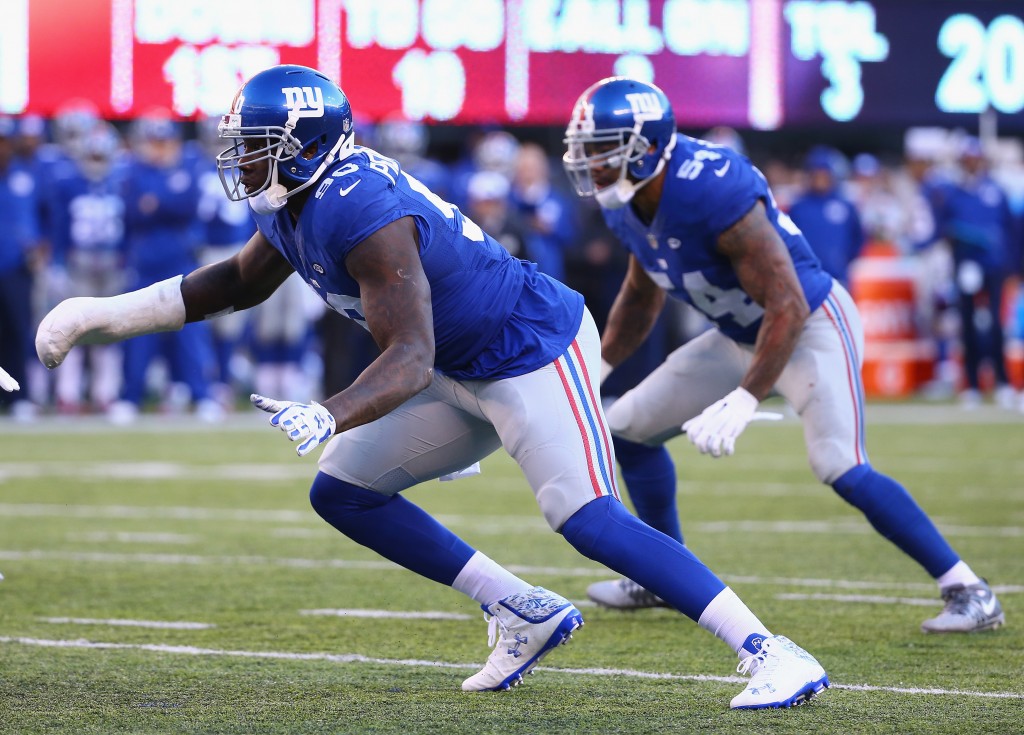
86	205
829	220
161	195
973	216
19	251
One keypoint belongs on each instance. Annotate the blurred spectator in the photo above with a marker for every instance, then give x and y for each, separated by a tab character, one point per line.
225	226
281	339
161	204
490	208
71	122
406	141
46	161
914	185
19	255
828	219
495	150
973	216
724	135
549	216
784	181
881	216
87	259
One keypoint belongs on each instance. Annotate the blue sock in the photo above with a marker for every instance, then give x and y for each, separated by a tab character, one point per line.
650	477
895	515
392	526
603	530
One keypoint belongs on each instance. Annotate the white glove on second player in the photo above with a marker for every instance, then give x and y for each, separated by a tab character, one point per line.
309	423
8	383
715	430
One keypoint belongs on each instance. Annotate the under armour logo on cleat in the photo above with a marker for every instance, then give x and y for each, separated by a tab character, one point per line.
514	650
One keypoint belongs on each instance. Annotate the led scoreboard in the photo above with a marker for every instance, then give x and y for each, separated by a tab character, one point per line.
747	63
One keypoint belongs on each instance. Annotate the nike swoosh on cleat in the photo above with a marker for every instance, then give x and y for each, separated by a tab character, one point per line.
988	606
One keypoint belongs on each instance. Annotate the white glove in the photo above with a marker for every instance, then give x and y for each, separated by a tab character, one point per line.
606	370
309	423
715	430
8	383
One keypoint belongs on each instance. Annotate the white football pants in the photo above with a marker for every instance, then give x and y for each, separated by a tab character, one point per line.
822	382
550	421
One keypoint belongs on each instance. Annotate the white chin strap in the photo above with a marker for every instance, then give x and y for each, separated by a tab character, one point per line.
616	196
271	199
621	193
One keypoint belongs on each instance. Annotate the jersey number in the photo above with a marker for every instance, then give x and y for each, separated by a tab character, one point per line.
718	303
470	229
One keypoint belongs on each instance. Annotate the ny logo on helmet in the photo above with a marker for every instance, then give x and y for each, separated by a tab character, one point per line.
645	105
583	117
304	101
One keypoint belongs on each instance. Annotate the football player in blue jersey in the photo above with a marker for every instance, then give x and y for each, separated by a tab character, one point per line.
87	226
478	350
701	225
20	254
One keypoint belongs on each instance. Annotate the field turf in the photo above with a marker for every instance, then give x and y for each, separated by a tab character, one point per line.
172	578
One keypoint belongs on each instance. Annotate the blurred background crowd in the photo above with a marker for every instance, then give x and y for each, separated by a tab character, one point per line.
928	237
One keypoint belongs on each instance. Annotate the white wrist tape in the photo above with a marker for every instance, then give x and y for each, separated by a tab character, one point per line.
93	321
606	369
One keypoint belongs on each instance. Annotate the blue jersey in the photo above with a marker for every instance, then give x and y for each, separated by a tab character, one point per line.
494	316
221	221
832	227
708	188
225	222
19	217
86	217
975	217
161	204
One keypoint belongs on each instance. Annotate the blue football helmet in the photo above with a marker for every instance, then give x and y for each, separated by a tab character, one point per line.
618	123
295	118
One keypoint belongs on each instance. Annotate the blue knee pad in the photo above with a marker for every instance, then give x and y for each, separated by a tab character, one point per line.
392	526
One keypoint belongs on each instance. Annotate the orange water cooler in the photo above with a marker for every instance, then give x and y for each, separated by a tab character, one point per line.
897	362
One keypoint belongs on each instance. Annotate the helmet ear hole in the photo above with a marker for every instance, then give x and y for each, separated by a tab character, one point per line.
640	146
311	149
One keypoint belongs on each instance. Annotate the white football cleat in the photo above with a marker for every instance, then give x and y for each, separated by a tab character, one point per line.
782	675
623	594
531	624
969	609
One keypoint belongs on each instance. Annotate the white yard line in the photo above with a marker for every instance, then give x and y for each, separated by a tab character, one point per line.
133	537
389	614
160	624
146	512
482	524
878	599
350	658
133	471
382	564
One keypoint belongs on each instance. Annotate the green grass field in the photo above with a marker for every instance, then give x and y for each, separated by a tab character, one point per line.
209	533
